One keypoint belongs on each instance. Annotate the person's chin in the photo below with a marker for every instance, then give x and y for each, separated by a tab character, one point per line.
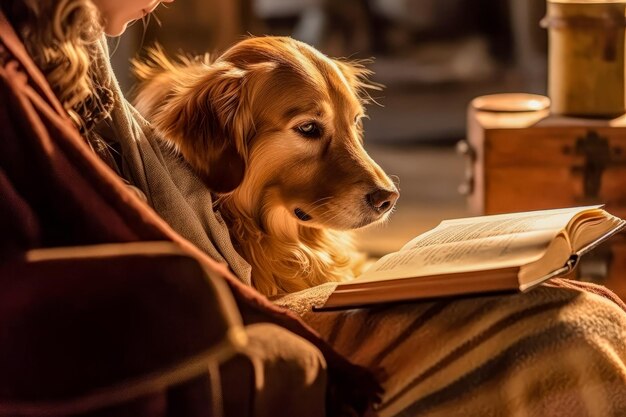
115	28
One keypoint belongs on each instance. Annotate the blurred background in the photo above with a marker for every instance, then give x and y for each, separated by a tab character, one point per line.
433	56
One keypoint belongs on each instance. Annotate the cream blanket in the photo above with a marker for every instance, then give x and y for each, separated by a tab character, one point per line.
551	352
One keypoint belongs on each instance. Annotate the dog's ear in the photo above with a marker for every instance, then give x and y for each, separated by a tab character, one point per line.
207	121
357	75
201	108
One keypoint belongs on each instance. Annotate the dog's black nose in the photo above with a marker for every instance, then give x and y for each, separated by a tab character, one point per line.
382	200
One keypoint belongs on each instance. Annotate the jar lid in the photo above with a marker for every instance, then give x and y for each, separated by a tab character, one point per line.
511	102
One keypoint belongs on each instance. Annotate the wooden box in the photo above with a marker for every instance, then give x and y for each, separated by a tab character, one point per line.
522	158
519	157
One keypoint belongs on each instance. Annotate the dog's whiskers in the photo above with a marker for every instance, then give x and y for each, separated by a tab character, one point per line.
326	209
396	180
320	203
332	218
322	199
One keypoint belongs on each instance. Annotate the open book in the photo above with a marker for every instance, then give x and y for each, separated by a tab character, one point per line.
499	253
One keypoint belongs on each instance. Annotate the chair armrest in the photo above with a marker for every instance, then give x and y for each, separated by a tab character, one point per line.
89	324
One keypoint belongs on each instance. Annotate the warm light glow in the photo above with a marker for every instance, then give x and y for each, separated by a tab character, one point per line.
511	102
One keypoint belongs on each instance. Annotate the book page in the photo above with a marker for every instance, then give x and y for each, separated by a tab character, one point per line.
495	252
475	244
588	229
461	230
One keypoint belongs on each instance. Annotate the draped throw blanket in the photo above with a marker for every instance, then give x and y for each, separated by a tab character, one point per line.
558	350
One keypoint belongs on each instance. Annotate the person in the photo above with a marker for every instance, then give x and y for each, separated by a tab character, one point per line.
59	106
557	350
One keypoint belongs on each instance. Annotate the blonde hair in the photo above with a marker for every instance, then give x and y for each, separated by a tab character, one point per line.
61	36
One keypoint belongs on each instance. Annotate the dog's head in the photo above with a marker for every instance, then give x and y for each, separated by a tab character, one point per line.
276	123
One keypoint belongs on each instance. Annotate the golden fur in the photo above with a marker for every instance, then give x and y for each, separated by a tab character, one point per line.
272	126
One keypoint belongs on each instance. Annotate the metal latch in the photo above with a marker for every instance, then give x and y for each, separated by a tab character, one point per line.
463	147
598	156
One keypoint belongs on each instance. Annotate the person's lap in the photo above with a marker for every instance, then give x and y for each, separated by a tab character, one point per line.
525	354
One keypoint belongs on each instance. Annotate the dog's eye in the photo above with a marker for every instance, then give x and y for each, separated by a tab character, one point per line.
310	130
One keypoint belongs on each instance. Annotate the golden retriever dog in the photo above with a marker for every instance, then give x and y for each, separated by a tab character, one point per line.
273	127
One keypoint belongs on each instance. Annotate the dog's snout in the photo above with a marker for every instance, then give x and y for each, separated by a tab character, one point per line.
382	199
